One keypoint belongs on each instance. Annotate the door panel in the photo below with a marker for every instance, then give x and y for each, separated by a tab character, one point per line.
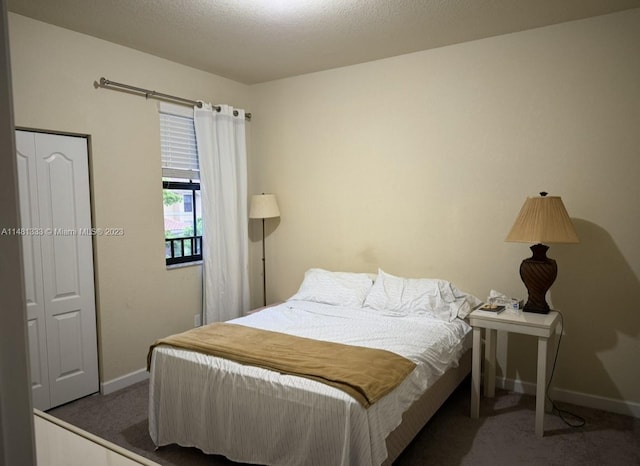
68	330
67	259
29	217
66	255
57	184
38	364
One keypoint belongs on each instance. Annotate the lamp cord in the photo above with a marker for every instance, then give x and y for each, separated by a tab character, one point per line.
563	414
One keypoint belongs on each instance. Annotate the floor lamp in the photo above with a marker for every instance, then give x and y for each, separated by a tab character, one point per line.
264	206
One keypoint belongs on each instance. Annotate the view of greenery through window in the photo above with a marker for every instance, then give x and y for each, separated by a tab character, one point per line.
181	207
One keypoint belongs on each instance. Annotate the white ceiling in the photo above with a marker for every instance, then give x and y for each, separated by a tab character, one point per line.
253	41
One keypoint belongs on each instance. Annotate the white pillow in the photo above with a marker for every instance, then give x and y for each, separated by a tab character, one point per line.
400	295
414	296
338	288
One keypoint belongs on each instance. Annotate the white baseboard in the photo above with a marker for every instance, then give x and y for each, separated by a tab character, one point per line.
628	408
124	381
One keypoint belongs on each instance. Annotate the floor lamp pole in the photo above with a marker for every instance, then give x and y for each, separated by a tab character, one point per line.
264	269
264	206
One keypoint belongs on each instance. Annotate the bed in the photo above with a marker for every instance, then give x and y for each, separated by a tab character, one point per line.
256	415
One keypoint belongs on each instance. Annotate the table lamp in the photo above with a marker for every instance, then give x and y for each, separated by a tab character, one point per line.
542	219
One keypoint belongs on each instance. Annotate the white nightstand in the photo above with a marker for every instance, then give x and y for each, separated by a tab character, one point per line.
542	326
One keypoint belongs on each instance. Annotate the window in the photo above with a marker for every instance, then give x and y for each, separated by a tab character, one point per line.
180	185
187	200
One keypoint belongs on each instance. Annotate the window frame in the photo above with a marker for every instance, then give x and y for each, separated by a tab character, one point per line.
195	239
180	162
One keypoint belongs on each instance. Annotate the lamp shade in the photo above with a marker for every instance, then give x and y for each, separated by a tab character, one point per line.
264	206
543	219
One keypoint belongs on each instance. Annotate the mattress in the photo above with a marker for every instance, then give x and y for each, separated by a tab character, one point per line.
254	415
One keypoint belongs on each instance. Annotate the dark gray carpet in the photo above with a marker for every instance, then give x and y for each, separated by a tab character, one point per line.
502	436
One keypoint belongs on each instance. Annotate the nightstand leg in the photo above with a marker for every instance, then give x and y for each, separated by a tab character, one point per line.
490	338
541	384
552	343
475	373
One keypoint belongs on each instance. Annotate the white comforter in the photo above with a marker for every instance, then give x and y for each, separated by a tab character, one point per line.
254	415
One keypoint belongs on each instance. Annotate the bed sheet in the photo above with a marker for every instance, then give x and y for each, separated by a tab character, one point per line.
254	415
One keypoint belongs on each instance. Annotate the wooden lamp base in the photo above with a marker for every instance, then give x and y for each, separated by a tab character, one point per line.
538	274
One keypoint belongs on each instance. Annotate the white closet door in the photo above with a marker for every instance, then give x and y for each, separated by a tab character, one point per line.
66	254
67	265
36	326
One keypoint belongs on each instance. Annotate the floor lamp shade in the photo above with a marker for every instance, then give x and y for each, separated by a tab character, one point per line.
264	206
541	220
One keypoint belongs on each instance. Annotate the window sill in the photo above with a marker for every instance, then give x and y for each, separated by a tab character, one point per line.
183	265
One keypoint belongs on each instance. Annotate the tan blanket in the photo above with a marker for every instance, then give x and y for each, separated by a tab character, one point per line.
364	373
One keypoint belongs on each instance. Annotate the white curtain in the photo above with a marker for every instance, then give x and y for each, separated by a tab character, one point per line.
222	153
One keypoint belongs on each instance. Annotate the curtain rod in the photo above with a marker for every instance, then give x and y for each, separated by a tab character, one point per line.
108	84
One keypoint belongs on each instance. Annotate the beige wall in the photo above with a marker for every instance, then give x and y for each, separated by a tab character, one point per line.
419	164
54	69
